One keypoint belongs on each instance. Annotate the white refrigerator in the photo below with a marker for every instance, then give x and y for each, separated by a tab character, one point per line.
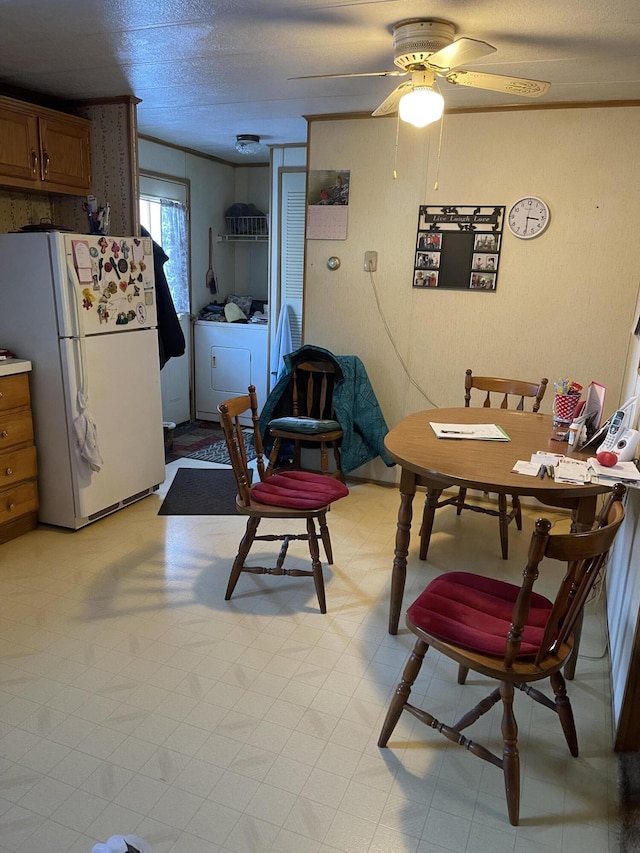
82	309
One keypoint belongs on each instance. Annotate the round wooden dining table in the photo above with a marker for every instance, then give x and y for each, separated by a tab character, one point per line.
439	463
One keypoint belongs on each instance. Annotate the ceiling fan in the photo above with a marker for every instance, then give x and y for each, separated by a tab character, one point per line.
425	49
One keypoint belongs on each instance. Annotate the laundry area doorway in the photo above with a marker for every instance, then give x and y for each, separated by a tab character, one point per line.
164	206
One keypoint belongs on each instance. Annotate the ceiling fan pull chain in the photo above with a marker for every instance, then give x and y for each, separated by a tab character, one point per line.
395	151
437	181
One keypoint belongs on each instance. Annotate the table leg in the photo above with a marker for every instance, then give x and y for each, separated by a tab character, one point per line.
403	535
584	514
430	507
572	660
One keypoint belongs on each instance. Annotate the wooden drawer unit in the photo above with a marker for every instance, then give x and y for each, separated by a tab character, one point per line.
14	392
15	428
18	466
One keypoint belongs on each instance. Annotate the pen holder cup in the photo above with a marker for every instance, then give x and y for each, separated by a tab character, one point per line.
564	406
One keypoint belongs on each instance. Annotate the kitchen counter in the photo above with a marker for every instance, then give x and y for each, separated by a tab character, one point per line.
9	366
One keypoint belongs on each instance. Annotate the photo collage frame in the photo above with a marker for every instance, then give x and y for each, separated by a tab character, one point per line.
458	247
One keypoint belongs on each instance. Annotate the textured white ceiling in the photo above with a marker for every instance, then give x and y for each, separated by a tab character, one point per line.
207	70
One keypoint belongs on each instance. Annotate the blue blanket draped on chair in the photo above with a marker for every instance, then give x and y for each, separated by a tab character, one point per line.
356	407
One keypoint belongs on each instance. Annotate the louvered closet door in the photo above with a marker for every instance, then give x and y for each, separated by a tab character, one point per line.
292	249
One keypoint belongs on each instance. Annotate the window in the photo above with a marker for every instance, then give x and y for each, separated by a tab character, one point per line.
166	221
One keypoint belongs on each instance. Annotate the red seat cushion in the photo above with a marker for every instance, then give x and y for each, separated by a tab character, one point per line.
299	490
475	612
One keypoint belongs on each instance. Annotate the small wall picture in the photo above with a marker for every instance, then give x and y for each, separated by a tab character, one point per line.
482	281
486	243
428	260
485	262
430	241
425	279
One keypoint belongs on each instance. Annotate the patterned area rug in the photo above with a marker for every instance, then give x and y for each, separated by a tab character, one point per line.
217	452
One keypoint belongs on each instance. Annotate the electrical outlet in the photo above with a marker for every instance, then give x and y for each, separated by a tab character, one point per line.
370	261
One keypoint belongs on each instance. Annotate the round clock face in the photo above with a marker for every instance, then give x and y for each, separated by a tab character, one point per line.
528	217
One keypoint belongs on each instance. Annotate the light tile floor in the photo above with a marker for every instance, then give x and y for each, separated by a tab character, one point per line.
133	698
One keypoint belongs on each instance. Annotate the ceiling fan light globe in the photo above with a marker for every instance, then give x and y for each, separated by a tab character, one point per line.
421	106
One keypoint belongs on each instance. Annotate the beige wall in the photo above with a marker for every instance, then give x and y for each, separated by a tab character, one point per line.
565	302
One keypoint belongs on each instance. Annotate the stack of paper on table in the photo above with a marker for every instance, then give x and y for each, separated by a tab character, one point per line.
481	432
622	472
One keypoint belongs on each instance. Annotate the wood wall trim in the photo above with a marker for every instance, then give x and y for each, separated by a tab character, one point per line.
570	105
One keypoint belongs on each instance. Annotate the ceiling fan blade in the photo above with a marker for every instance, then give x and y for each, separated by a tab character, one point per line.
499	83
390	104
360	74
458	52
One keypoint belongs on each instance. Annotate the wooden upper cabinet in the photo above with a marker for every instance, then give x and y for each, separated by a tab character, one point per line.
43	149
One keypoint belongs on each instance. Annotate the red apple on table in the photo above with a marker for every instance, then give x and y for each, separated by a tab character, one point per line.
607	458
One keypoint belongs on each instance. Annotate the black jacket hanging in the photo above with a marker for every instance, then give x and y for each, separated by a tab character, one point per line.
171	341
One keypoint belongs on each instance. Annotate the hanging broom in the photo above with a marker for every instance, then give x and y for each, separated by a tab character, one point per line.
210	277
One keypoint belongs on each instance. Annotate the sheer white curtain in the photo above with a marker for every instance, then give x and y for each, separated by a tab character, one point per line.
173	225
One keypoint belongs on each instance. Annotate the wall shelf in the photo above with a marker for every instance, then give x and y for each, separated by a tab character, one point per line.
243	238
241	229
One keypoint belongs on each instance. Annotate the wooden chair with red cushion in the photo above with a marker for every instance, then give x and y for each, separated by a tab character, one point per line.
510	393
508	633
289	495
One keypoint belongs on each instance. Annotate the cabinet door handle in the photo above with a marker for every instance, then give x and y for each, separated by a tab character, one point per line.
9	472
45	162
34	161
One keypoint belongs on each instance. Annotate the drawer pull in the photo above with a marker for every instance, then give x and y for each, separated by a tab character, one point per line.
1	395
11	507
4	433
9	472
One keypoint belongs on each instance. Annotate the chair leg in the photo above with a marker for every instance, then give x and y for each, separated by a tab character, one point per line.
324	459
565	712
517	511
504	526
314	550
462	496
463	671
510	754
336	455
326	538
403	690
245	546
273	457
430	506
296	455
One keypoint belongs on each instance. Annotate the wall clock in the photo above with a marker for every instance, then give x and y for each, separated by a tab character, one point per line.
528	217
